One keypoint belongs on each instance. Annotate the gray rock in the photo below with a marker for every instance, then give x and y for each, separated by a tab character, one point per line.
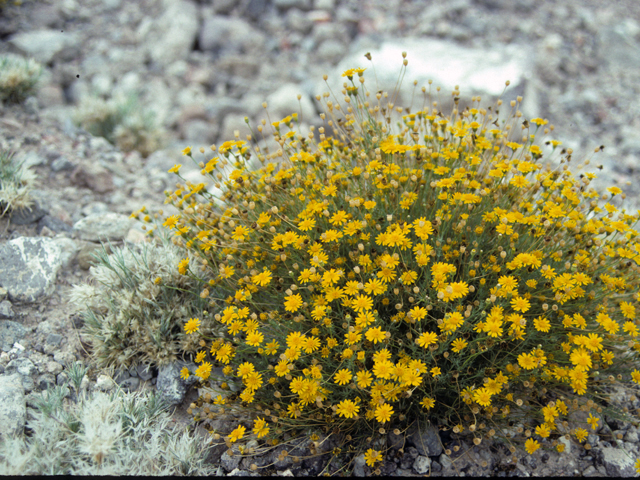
28	268
6	310
54	339
46	381
10	333
619	46
422	465
617	462
286	4
284	102
93	177
62	164
22	366
13	406
298	21
43	45
358	466
104	383
331	51
230	462
224	6
171	387
144	372
174	33
426	439
102	227
229	35
130	384
28	215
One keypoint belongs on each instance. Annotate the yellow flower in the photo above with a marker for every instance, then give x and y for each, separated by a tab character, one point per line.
184	373
593	421
428	403
204	370
254	338
637	466
200	357
186	151
635	375
347	408
435	371
458	345
237	434
175	168
293	303
482	397
262	279
520	304
581	434
375	334
364	379
383	412
193	325
343	377
541	324
260	428
543	430
426	339
372	456
531	445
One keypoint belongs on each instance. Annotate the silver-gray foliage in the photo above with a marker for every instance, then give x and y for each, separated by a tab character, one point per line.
102	434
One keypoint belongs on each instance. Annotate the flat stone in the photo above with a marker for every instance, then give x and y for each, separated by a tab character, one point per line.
102	227
28	268
13	405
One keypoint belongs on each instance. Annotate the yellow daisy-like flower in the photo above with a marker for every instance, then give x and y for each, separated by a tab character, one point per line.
531	445
184	373
375	335
581	434
204	370
186	151
458	345
260	428
426	339
293	303
428	403
383	413
372	456
175	168
262	279
237	434
193	325
347	408
343	377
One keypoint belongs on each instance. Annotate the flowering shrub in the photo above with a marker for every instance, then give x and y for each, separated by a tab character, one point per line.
18	77
399	265
16	183
121	121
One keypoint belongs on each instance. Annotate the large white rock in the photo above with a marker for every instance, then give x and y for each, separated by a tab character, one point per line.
475	71
172	36
43	45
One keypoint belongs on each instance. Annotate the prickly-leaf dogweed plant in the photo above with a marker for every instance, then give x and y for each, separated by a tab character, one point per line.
401	265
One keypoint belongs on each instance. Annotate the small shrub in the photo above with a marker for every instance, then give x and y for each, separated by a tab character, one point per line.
400	265
16	183
122	122
102	434
136	307
18	77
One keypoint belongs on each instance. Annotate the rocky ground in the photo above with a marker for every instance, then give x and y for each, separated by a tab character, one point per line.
201	66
